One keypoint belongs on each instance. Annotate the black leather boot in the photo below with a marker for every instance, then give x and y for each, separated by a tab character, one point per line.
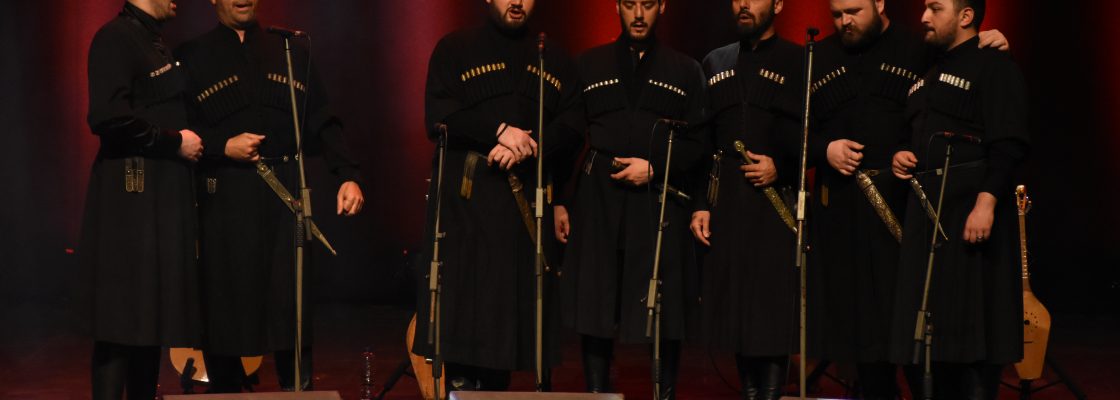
746	377
286	372
771	374
460	378
948	381
981	381
493	380
597	356
877	381
226	373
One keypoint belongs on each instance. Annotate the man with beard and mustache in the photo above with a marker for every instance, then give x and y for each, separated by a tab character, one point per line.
629	86
862	75
975	294
483	86
238	86
137	239
749	285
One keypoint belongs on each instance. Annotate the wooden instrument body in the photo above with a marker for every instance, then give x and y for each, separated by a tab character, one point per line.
180	355
1036	319
422	368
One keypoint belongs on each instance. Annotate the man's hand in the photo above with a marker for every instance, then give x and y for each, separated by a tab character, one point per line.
902	163
844	156
561	226
244	147
502	156
191	146
350	199
978	227
994	39
763	172
519	141
701	226
635	171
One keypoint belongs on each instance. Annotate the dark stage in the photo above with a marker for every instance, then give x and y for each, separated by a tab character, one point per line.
46	361
374	56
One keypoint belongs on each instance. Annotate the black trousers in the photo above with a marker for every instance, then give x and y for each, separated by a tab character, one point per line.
878	381
462	377
761	377
598	354
117	369
227	375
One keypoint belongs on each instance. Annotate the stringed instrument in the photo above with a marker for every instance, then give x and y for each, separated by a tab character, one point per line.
1036	320
421	368
180	356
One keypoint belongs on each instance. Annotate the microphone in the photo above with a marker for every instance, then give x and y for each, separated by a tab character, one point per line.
440	127
285	32
540	42
673	122
814	31
959	136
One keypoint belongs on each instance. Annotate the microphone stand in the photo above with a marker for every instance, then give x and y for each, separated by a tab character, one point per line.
923	328
653	295
435	285
802	194
302	218
538	259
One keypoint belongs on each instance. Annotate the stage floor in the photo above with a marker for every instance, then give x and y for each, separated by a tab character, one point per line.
42	358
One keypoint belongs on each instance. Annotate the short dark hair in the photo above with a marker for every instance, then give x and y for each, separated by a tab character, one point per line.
977	8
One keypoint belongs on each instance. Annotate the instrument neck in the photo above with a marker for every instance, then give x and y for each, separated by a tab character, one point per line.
1023	251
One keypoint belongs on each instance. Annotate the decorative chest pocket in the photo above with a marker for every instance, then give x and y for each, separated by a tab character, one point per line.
485	81
954	96
833	90
552	87
222	98
159	85
667	100
278	95
604	96
894	83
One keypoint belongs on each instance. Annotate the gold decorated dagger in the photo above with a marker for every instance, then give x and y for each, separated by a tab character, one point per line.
286	197
879	204
769	192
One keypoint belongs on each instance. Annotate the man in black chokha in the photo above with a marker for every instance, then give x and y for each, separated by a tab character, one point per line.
240	104
862	75
483	86
975	299
749	284
138	231
630	86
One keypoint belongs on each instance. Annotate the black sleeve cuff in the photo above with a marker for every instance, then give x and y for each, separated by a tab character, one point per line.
818	151
470	125
349	173
163	143
1003	157
213	147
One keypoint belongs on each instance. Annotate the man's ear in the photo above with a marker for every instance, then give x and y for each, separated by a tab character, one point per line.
967	15
778	5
